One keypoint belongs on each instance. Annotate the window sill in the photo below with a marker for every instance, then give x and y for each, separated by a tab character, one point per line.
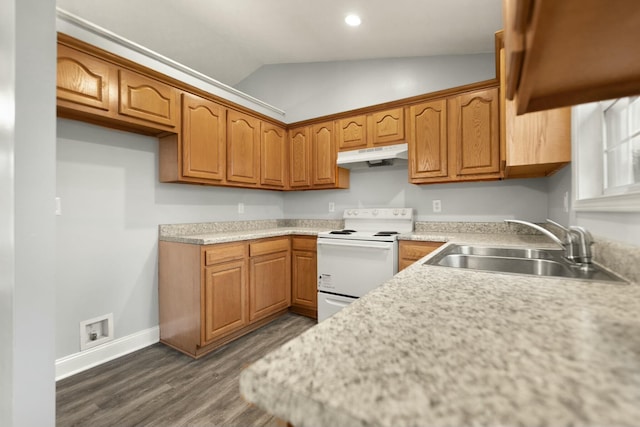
616	203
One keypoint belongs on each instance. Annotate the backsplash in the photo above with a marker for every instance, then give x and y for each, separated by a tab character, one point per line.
473	227
232	226
621	258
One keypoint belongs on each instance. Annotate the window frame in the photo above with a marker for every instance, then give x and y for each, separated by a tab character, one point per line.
588	136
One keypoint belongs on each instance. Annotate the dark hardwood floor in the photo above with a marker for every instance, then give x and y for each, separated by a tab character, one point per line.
159	386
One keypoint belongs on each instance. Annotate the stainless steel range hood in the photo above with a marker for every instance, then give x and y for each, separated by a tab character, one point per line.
389	155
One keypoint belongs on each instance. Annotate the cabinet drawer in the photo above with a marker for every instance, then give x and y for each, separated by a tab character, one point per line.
223	253
415	251
304	244
268	246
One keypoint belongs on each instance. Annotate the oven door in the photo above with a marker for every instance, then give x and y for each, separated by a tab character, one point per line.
355	267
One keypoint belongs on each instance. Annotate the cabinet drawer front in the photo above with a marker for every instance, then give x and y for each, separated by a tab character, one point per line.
415	251
223	253
268	246
304	243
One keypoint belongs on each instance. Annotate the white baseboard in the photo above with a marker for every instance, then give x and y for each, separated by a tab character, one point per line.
78	362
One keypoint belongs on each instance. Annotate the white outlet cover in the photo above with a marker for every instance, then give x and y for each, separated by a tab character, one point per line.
241	208
437	206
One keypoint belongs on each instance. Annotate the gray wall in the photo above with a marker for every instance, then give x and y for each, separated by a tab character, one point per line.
107	235
27	233
379	187
557	185
311	90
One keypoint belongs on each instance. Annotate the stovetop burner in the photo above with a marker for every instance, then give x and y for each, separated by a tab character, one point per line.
342	232
386	233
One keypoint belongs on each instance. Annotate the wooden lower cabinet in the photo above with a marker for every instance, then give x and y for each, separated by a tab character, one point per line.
225	299
304	288
270	277
210	295
411	251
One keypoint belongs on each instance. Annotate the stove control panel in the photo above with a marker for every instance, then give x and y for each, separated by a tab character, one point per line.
379	213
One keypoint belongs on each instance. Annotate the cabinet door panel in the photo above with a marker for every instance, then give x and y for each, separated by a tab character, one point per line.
300	157
273	155
243	148
83	79
147	99
225	299
270	284
304	281
203	138
387	127
352	133
323	154
428	141
474	121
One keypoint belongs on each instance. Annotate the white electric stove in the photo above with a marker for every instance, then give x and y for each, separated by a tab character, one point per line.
360	257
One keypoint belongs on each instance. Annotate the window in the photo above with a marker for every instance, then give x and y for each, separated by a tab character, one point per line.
606	155
622	145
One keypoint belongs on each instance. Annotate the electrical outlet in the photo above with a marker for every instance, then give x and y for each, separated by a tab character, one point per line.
332	207
566	201
241	208
437	206
58	206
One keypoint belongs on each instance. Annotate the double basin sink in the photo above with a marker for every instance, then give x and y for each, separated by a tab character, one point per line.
537	262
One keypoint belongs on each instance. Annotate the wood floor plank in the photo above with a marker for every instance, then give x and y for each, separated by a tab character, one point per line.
158	386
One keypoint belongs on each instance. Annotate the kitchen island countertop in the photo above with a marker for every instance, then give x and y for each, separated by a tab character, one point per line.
448	347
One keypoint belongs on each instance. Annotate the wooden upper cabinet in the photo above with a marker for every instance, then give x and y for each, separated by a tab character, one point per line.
273	156
203	138
300	157
568	52
148	100
323	154
83	80
474	133
428	147
352	133
535	144
387	127
243	148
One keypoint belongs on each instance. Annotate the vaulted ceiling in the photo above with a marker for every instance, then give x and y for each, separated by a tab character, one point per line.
230	39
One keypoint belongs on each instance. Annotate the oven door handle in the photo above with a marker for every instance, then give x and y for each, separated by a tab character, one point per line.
354	245
336	302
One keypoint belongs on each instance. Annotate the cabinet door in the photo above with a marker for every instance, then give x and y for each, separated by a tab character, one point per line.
203	138
82	80
147	99
352	133
304	281
300	157
225	299
387	127
411	251
428	141
243	148
273	155
324	156
269	284
474	133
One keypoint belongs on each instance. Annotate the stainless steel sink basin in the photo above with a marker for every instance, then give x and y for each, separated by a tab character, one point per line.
506	252
537	262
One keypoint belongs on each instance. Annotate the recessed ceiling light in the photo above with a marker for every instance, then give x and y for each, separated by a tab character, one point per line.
353	20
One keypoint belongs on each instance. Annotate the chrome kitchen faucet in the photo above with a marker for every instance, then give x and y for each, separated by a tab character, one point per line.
577	242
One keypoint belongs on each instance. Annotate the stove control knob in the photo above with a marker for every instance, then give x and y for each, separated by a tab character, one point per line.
354	213
404	212
396	211
375	212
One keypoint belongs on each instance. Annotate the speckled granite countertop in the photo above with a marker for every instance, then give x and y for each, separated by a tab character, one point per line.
445	347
